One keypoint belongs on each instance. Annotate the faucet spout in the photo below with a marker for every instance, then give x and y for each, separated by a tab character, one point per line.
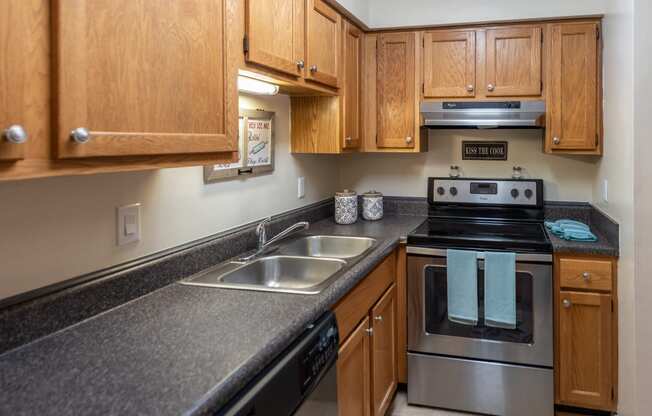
264	244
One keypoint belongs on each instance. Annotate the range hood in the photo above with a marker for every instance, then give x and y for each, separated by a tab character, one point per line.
483	114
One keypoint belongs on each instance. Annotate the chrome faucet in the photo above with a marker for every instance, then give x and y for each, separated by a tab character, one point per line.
264	244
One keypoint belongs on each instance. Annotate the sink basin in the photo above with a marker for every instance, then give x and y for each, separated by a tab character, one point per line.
331	246
292	274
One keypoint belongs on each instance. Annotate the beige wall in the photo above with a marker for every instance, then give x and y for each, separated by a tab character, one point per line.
55	229
566	178
643	201
387	13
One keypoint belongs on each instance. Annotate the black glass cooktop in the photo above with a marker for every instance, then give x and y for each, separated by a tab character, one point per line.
517	236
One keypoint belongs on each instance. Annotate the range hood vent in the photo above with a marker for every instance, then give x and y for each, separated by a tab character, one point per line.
483	114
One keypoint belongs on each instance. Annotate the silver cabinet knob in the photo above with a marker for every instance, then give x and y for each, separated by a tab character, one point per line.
313	68
80	135
378	318
301	64
556	140
408	140
566	303
469	88
15	134
491	87
586	276
369	331
348	139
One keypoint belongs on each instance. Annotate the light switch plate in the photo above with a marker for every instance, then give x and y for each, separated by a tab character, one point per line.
605	191
301	187
128	224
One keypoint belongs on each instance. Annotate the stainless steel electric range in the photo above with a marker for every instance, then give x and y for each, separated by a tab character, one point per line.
481	368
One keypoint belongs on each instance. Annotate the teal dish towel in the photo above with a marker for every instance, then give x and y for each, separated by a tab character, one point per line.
500	290
462	282
571	230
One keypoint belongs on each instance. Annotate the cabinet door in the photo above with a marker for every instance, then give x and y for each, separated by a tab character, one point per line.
353	375
573	100
19	47
449	64
351	110
585	349
396	93
274	31
384	352
513	62
323	25
134	79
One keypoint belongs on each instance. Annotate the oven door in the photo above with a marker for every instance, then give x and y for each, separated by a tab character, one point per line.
430	330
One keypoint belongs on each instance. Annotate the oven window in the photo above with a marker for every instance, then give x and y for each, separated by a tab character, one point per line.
436	309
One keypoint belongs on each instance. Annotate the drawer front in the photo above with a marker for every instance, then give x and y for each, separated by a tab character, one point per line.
577	273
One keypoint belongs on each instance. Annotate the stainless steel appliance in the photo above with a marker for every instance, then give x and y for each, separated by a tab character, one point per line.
481	368
301	382
483	115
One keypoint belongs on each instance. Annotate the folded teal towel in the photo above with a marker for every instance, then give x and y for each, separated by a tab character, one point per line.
500	290
462	282
571	230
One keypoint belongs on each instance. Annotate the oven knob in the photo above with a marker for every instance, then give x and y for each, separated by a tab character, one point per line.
528	193
453	190
514	193
441	190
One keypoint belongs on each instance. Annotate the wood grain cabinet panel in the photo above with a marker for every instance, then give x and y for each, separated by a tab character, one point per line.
573	94
20	47
586	273
449	64
513	62
323	29
384	352
354	373
142	80
351	108
396	95
585	350
274	31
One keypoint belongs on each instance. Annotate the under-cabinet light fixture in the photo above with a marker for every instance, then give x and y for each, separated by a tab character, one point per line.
257	87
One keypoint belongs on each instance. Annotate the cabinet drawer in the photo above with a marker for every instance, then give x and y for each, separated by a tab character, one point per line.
356	305
580	273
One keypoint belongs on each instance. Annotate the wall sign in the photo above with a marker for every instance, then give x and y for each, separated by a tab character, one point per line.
484	150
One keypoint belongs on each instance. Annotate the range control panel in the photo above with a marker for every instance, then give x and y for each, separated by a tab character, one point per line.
512	192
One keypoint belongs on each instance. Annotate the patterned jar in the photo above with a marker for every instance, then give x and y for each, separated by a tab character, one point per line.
346	207
372	205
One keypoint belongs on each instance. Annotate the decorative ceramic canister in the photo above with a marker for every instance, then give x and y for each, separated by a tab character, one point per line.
346	207
372	205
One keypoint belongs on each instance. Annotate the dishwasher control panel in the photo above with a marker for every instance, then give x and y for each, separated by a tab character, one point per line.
319	354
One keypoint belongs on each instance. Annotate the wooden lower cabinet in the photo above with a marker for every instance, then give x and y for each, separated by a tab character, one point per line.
367	366
586	356
354	374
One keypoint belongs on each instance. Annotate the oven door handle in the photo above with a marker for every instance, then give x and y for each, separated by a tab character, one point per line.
439	252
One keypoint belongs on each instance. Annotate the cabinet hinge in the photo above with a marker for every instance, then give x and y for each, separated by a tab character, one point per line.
245	44
597	32
376	139
423	88
612	305
541	86
613	393
423	42
542	38
597	143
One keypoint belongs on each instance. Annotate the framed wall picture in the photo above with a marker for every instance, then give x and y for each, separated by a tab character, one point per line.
255	148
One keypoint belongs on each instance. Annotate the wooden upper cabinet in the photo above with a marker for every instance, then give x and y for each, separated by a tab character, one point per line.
573	94
17	44
396	93
384	352
274	34
351	108
513	62
586	375
323	29
133	79
353	373
449	63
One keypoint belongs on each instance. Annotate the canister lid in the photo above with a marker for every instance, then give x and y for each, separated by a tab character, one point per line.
345	192
372	194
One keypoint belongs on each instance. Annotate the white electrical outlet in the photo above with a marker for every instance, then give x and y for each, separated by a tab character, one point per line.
301	187
605	191
128	224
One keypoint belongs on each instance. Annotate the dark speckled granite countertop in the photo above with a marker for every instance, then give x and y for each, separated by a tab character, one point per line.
177	350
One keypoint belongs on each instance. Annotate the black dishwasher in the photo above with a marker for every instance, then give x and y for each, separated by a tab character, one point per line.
302	381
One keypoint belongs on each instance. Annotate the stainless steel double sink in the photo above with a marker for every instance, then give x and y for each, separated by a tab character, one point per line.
305	265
